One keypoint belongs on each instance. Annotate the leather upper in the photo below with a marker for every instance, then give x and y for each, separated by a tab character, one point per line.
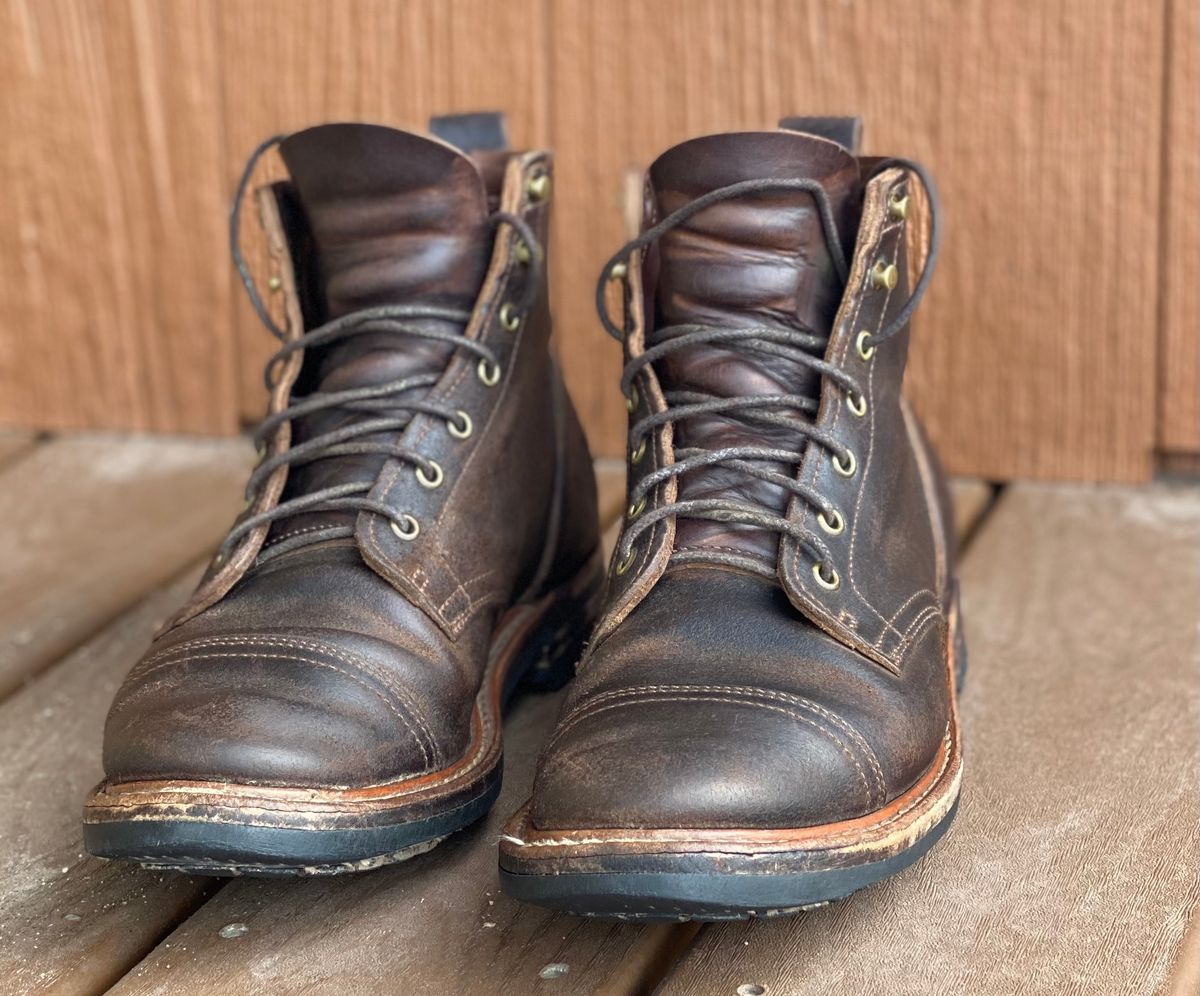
357	660
719	696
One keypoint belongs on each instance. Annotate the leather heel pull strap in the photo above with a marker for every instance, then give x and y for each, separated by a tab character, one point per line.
479	131
847	132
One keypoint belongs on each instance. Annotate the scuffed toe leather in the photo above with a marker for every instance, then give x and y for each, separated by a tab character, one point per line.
286	708
720	759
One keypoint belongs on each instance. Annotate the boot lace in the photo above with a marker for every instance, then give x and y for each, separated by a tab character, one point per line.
781	410
377	413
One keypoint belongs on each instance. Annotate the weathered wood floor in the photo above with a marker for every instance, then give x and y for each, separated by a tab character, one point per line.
1074	865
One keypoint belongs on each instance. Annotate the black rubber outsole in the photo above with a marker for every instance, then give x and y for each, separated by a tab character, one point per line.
707	895
224	849
544	662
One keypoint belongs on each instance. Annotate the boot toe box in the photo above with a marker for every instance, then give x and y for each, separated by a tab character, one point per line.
705	757
319	709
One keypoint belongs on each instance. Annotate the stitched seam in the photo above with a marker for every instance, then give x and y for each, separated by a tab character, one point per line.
797	700
297	532
908	601
353	660
300	659
831	735
374	529
886	231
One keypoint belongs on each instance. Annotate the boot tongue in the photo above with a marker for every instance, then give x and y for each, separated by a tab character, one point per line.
757	260
394	218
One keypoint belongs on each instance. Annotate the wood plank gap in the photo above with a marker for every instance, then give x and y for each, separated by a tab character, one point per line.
71	923
90	523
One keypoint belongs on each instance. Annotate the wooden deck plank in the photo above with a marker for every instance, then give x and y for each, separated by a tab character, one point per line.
1073	865
440	921
71	923
14	443
90	523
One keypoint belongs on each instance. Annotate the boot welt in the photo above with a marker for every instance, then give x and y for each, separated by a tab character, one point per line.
211	827
732	874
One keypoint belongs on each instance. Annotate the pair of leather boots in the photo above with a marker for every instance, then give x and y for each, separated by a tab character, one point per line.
764	713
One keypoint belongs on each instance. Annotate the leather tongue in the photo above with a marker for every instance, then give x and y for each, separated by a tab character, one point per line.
760	260
394	218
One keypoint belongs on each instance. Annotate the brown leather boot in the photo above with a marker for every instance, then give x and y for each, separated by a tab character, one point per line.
765	717
421	533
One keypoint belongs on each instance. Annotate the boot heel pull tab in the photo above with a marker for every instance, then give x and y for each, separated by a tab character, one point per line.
847	132
479	131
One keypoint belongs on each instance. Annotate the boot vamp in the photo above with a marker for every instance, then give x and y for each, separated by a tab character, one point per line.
717	705
313	671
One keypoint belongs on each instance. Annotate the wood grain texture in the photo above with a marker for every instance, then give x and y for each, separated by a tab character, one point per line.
126	124
1072	867
1033	355
1179	337
116	314
71	923
287	64
89	524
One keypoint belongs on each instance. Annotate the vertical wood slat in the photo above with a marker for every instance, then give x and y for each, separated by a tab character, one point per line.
1179	342
1032	354
129	121
115	315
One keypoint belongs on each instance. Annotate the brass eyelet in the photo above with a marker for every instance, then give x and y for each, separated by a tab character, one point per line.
884	275
637	508
898	206
631	402
619	271
637	454
522	254
859	409
413	527
865	351
539	187
274	283
489	373
461	426
431	482
510	321
845	469
834	527
624	565
831	583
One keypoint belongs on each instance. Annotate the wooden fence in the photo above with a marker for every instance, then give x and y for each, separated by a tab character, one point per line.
1062	336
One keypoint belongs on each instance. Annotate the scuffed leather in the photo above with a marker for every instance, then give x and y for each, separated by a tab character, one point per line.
330	665
713	698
